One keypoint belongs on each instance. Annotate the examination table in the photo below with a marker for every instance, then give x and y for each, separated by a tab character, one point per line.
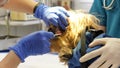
41	61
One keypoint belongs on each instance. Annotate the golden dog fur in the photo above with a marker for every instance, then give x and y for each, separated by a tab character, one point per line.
67	41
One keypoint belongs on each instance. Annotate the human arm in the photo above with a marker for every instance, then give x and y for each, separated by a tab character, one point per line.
109	53
36	43
50	15
21	5
10	61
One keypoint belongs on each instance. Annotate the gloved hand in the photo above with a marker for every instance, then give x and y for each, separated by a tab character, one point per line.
52	15
36	43
109	53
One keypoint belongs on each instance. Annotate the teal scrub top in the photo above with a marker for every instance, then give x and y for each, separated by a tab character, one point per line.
108	18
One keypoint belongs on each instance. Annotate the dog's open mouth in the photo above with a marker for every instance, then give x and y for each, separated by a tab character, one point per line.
56	30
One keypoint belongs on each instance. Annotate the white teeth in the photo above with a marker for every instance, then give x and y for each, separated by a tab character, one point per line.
57	35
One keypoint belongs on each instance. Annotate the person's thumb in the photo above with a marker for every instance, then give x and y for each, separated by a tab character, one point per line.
50	35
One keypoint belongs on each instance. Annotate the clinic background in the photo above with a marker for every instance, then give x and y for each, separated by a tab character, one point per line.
21	30
14	25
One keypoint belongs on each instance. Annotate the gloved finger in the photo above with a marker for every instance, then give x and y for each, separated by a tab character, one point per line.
98	41
98	62
63	10
115	66
42	49
107	64
63	19
61	24
54	21
47	22
91	55
50	35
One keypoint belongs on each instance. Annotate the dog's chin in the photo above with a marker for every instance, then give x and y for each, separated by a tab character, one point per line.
59	42
62	47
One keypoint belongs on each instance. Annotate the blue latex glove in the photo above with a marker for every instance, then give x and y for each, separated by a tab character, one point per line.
52	15
36	43
74	61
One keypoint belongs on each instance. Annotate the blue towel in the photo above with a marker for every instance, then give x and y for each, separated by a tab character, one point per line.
74	61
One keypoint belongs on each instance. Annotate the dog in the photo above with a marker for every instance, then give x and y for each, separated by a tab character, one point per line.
66	41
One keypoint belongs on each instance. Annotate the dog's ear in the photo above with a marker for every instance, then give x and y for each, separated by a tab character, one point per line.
94	22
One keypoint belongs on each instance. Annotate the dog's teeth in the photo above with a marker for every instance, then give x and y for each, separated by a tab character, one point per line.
57	35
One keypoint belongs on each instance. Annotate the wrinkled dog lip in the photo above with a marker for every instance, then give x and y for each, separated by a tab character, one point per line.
56	30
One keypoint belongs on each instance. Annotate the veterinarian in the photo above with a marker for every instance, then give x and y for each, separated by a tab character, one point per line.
108	11
36	43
